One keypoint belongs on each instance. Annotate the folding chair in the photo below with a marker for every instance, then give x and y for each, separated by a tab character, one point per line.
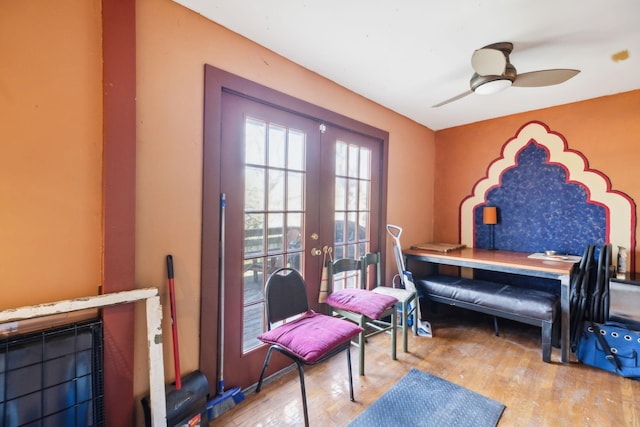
303	335
578	295
600	297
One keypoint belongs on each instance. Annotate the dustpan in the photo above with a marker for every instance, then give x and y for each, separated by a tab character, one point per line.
406	278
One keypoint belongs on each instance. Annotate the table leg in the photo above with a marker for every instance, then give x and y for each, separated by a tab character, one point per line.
565	304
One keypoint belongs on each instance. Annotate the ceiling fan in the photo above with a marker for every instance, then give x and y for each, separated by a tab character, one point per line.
493	72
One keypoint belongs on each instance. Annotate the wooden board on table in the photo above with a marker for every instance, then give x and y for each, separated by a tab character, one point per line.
439	247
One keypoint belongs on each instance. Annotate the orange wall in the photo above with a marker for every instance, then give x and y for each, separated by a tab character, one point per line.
51	243
605	130
50	150
173	46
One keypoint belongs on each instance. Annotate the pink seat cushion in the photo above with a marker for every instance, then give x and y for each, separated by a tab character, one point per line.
311	336
361	301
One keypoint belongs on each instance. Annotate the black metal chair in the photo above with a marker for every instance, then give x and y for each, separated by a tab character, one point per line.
301	334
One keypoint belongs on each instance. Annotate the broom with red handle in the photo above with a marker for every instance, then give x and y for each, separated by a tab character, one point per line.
186	398
174	322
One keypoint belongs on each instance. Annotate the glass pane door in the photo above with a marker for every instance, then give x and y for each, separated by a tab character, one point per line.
356	197
292	187
270	176
274	208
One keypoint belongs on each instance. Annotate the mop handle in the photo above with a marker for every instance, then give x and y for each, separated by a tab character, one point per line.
394	230
223	202
395	233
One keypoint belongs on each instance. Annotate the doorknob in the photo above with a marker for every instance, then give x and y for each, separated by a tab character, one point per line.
316	252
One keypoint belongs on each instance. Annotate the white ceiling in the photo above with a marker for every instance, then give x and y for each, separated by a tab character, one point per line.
408	55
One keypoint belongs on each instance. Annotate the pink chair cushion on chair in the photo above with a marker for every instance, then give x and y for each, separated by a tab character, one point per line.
361	301
311	336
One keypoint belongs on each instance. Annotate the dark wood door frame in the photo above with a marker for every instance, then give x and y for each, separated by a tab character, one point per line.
216	82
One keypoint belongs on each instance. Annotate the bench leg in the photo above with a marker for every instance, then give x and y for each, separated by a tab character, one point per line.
547	328
555	333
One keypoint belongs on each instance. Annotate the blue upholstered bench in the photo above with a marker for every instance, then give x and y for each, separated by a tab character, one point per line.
530	306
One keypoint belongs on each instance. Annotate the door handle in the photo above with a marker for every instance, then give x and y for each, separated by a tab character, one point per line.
316	252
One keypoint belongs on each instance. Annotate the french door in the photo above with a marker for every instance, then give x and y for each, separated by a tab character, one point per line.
294	187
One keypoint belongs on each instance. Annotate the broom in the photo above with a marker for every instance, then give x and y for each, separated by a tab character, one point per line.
186	399
224	400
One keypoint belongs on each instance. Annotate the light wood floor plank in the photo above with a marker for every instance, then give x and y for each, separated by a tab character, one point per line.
507	368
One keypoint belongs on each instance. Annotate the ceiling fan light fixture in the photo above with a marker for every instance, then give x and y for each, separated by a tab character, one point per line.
494	73
489	87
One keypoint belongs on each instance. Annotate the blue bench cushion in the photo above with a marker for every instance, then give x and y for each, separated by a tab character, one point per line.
312	335
526	302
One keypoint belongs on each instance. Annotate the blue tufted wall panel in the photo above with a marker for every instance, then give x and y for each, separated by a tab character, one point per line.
538	209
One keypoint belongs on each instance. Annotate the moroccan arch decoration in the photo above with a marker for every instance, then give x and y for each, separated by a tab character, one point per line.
569	169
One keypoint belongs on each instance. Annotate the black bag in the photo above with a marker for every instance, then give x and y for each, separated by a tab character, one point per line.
610	346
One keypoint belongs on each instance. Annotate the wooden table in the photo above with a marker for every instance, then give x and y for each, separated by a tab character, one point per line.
508	262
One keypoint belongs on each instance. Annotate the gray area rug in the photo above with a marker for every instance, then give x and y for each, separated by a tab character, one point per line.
421	399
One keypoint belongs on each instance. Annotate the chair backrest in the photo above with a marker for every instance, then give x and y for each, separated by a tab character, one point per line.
375	259
352	269
285	295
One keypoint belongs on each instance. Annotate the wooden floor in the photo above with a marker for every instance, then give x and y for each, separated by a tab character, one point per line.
507	368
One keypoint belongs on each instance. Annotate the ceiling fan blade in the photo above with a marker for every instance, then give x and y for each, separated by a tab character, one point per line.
488	62
455	98
544	77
